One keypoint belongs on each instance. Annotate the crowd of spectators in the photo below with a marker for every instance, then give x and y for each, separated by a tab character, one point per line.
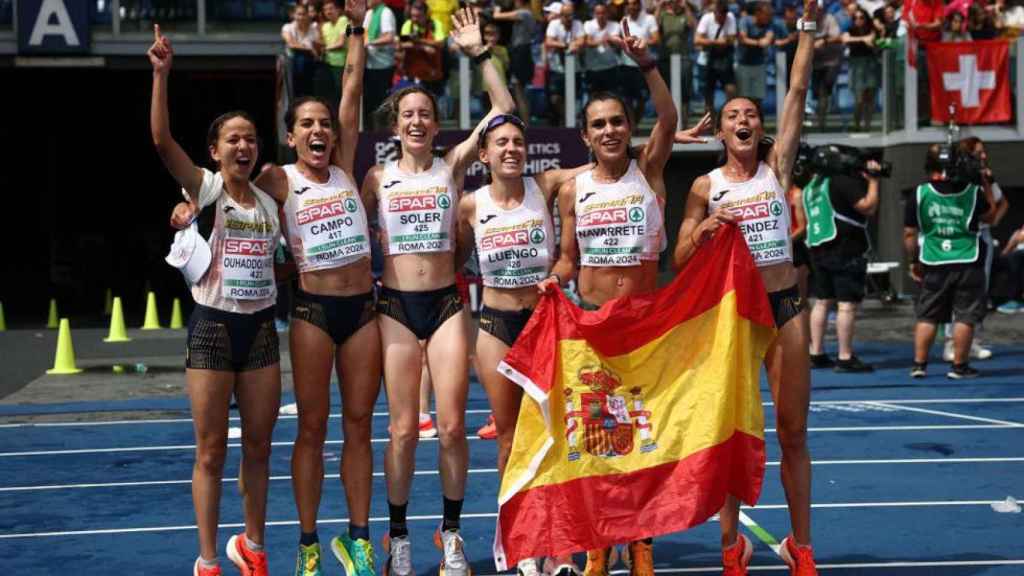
725	48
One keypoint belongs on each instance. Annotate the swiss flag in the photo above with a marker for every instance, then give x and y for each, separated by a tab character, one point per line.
974	77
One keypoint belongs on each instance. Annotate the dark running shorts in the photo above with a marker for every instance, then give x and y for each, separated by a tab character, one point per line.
505	325
956	294
421	312
786	305
231	342
838	277
339	316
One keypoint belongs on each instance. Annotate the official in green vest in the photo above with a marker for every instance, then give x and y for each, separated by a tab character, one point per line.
837	207
947	257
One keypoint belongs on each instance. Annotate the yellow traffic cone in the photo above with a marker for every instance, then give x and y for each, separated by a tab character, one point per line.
108	303
51	322
118	333
152	318
64	361
176	323
3	323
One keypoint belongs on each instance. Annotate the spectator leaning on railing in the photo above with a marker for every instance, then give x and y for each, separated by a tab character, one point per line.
677	22
334	40
865	71
499	57
955	28
302	45
634	89
564	36
924	18
602	40
828	59
756	34
716	34
786	36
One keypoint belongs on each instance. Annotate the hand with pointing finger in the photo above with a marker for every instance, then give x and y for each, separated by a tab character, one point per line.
160	53
635	47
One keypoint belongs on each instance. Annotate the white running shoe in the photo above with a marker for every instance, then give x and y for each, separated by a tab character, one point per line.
454	561
947	351
528	567
979	352
399	562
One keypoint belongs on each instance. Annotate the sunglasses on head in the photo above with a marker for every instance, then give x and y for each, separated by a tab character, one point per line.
500	120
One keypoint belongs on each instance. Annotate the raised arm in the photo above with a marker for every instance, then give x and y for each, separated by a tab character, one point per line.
551	180
784	152
351	93
564	269
466	34
181	167
464	230
659	145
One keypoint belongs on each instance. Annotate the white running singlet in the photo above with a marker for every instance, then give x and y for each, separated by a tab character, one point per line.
618	223
326	222
516	247
417	211
761	211
243	241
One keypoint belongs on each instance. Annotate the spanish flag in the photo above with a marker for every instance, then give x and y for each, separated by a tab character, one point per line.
640	417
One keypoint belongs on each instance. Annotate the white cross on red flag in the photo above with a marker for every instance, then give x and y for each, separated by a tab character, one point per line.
974	77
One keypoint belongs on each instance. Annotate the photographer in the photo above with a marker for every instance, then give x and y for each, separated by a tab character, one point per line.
837	207
949	261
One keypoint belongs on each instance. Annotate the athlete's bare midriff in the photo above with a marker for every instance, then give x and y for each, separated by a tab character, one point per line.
349	280
419	272
511	299
778	276
599	284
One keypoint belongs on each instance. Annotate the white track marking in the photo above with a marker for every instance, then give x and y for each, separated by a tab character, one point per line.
486	411
996	425
482	515
897	406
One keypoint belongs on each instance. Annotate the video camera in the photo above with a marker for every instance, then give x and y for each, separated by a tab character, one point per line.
831	159
957	166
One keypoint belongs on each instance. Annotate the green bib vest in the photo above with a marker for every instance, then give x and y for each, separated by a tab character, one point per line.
944	221
821	216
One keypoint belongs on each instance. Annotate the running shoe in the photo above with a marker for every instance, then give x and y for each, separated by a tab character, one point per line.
919	370
736	557
307	562
598	562
979	352
454	562
821	361
198	570
566	570
399	550
427	429
528	567
961	372
1009	307
249	563
948	351
641	558
852	365
488	431
356	556
800	559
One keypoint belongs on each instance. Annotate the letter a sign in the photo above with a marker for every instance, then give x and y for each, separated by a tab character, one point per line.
53	27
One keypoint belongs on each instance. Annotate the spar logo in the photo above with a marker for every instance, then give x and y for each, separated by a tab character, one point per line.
602	217
636	214
237	247
443	201
754	211
322	211
413	203
350	205
537	236
501	240
776	208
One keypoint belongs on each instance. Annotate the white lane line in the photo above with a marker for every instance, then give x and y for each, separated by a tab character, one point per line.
897	406
144	483
487	411
836	566
995	426
482	515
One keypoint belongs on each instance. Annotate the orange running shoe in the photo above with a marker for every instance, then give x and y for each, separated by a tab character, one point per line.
597	562
736	557
641	558
198	570
249	563
800	559
488	431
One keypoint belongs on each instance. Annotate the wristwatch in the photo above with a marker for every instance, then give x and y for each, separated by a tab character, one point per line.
351	30
481	57
806	25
